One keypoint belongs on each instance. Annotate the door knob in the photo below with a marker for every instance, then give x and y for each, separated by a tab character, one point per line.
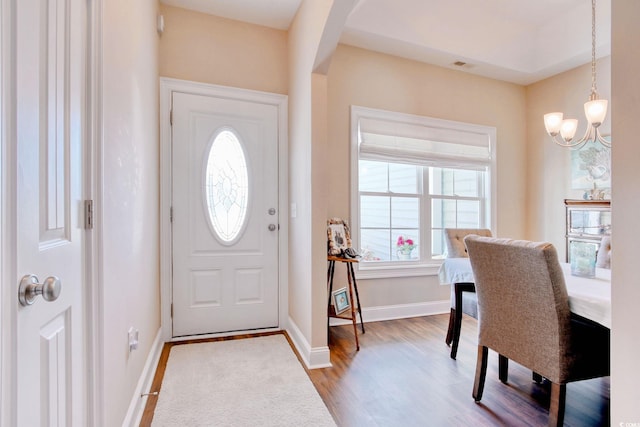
272	227
30	288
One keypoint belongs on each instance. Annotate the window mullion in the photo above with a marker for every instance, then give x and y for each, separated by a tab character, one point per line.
425	212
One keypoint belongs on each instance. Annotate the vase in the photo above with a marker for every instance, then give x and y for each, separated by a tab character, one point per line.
583	259
404	255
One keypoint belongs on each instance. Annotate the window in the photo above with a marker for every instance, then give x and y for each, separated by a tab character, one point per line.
412	177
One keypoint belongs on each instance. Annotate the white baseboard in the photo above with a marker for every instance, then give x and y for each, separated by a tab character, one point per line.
313	358
136	407
319	357
399	311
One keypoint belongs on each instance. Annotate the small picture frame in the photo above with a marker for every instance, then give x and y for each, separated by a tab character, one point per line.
338	236
341	301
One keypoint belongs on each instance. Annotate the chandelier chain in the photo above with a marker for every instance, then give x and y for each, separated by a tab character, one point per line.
593	47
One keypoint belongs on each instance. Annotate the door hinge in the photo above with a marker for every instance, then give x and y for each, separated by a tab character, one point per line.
171	117
88	214
172	310
171	214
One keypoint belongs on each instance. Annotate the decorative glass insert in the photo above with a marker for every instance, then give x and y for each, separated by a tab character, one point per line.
226	186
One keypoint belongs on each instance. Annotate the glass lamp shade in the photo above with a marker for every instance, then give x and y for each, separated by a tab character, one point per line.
596	111
568	129
553	122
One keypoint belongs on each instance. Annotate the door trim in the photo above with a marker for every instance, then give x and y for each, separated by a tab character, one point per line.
8	179
93	190
167	87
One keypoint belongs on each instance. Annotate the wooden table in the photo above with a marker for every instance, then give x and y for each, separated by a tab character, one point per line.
352	287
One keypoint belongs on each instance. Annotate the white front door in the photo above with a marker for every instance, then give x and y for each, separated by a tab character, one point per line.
49	112
225	214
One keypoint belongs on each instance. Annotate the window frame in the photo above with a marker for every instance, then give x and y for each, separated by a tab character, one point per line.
423	267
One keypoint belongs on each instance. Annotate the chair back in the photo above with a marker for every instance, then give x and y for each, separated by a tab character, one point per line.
522	302
454	240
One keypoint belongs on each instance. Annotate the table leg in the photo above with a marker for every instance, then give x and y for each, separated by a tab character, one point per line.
353	310
331	270
355	288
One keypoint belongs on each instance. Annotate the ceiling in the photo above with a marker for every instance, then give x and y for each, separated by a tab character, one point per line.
520	41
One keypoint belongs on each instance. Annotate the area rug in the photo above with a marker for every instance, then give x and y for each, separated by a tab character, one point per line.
244	382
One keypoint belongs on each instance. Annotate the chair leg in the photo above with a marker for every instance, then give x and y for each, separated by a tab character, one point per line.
503	368
457	326
459	288
452	315
457	320
537	378
556	406
481	372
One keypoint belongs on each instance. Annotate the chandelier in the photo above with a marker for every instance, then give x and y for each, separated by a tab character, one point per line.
595	109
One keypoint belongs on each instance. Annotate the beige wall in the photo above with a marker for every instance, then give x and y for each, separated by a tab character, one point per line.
365	78
306	309
210	49
625	334
127	208
549	165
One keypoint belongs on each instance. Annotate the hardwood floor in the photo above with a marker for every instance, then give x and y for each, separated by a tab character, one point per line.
403	376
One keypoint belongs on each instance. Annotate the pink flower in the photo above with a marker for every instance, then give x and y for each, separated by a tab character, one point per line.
405	245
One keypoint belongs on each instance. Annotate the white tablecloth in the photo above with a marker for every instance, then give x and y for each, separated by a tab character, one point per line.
455	270
588	297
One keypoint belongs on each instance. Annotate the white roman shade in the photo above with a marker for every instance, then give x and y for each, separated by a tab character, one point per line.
424	141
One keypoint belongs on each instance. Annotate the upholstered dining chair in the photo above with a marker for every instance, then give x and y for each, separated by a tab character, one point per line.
463	297
524	316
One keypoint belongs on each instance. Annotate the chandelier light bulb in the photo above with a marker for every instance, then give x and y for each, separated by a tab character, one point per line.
596	111
568	129
553	122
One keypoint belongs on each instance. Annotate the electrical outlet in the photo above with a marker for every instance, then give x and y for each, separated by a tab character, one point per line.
133	339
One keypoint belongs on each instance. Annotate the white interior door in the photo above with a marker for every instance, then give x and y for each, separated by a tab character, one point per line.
225	214
49	84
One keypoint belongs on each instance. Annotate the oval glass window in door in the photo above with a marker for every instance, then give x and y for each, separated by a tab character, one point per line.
226	186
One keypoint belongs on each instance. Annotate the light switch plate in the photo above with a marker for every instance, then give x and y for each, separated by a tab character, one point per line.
133	339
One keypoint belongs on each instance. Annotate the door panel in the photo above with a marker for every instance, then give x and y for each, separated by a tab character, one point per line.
224	198
49	123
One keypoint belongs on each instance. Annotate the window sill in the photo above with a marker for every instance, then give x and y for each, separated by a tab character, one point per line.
404	270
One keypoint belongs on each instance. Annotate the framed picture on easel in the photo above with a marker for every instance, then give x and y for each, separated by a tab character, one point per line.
338	235
341	301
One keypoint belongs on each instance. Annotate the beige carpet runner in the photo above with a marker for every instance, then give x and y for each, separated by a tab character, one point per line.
245	382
